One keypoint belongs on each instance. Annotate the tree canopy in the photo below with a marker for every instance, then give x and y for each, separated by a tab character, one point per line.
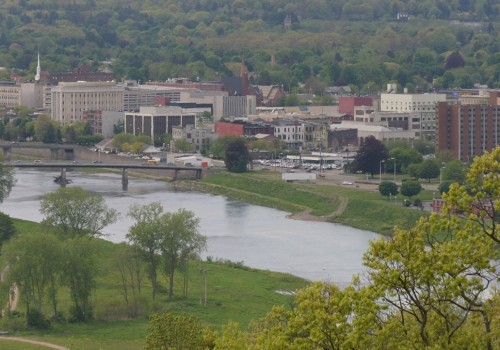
370	155
74	211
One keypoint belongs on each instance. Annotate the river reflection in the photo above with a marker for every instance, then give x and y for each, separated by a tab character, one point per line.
260	237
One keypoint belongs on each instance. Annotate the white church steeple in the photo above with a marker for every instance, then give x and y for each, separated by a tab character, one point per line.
38	69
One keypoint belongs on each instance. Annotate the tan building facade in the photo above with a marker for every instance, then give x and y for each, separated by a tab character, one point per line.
70	100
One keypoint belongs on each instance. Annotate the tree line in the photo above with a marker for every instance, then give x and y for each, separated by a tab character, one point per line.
444	44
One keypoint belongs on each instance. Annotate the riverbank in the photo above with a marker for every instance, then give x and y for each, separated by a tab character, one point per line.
326	200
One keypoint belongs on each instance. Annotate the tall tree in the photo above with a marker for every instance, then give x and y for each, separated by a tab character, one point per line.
180	239
369	156
145	236
237	156
80	270
429	169
7	181
74	211
479	198
35	264
7	228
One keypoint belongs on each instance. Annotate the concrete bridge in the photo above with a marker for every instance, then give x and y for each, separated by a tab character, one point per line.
62	179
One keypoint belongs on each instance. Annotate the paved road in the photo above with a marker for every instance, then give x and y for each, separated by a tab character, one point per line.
35	342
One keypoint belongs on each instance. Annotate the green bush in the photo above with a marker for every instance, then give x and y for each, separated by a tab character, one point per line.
36	319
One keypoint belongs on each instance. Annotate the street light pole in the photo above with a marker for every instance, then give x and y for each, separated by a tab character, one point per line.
380	171
394	159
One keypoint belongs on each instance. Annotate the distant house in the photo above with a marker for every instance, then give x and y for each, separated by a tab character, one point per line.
338	90
269	95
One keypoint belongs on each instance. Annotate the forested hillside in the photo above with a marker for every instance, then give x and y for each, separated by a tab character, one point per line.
443	44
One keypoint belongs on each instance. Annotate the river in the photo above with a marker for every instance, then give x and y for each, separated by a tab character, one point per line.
260	237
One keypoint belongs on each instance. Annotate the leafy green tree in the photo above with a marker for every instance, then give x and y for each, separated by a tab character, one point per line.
145	139
122	138
478	199
80	271
444	186
237	156
454	171
413	170
369	156
168	331
45	129
218	147
405	156
73	211
179	240
429	169
7	228
410	188
7	181
146	237
183	145
388	188
35	264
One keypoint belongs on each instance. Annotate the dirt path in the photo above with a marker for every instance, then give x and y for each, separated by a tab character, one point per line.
35	342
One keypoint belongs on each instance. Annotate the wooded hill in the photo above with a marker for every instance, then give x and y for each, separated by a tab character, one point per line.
442	44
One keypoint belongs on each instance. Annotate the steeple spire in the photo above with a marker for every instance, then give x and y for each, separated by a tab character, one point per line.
38	69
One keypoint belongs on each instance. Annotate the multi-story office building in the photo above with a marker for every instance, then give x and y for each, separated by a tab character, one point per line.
10	94
156	121
70	100
422	104
468	130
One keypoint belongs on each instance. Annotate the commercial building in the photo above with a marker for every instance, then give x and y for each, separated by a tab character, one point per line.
71	100
102	122
10	94
156	121
422	104
200	138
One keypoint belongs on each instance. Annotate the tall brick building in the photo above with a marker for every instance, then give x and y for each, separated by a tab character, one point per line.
468	130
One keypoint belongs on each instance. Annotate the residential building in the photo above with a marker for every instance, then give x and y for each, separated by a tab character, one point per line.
468	130
269	95
156	121
70	100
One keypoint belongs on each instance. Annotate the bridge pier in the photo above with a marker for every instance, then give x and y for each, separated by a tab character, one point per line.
54	153
176	174
62	180
124	179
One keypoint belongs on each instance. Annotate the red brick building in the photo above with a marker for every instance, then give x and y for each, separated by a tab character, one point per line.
347	103
468	130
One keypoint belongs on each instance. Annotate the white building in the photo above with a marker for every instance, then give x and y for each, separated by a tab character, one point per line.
223	105
381	133
410	102
423	104
70	100
201	138
32	94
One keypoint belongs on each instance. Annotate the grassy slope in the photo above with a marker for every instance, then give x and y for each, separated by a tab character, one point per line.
234	293
366	210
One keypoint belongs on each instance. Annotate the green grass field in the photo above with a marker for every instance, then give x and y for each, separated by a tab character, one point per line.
367	210
234	292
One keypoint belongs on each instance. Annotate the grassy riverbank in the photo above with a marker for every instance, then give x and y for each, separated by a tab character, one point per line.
234	292
324	200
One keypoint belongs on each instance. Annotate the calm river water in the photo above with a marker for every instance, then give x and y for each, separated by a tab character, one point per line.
260	237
